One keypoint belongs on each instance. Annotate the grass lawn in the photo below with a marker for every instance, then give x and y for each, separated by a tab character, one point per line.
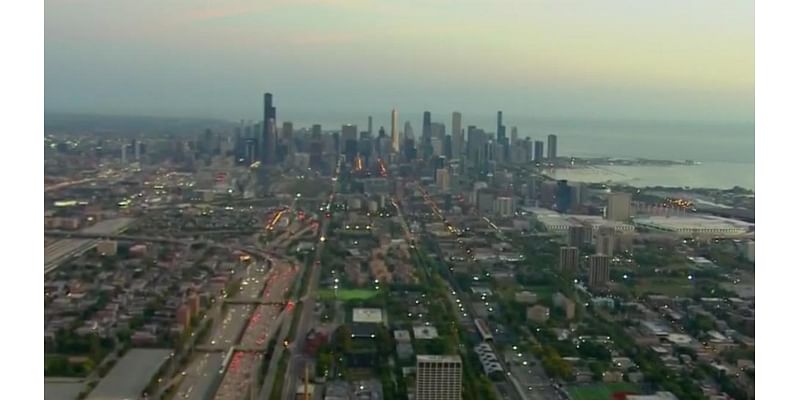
542	292
347	294
668	287
600	391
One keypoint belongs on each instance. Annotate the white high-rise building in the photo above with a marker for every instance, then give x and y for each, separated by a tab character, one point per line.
438	377
395	133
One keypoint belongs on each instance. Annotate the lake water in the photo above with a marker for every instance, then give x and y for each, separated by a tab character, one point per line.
719	175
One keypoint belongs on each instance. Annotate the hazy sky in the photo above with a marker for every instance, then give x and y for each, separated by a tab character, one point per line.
628	59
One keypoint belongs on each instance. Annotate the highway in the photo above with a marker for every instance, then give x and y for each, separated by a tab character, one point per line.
226	332
261	328
61	250
241	370
245	368
200	376
295	372
200	384
251	319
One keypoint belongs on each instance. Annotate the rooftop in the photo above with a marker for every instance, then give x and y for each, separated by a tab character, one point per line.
131	375
373	315
425	332
438	359
695	224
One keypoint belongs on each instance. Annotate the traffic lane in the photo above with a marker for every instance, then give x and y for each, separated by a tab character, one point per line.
261	326
251	287
227	330
278	284
200	376
239	376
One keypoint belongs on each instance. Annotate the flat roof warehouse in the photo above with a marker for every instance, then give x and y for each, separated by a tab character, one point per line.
131	375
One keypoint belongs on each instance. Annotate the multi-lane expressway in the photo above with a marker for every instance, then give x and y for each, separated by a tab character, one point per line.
62	250
243	332
297	361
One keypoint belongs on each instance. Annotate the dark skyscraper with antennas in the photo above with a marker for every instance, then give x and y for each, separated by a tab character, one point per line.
268	135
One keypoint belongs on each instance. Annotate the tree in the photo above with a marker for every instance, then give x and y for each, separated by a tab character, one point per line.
385	342
342	339
594	350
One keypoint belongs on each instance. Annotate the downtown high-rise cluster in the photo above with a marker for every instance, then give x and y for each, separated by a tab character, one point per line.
467	147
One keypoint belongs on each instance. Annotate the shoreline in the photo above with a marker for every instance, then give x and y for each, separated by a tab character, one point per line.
710	175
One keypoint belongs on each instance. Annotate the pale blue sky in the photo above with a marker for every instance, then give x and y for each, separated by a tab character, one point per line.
626	59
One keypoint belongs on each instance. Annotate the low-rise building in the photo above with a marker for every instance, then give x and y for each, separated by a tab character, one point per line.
525	297
564	303
107	247
538	313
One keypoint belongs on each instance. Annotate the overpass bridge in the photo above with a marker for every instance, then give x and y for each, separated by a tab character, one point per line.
62	250
91	240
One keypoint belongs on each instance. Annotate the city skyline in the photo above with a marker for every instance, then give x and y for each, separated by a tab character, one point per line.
604	64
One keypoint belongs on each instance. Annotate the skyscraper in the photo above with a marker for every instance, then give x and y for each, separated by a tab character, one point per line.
576	235
436	147
369	125
568	260
538	151
288	131
268	136
124	153
350	140
408	131
528	146
349	132
438	377
552	152
457	135
618	207
316	132
256	134
443	179
598	270
514	136
426	126
395	133
501	129
605	240
563	196
270	142
438	131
